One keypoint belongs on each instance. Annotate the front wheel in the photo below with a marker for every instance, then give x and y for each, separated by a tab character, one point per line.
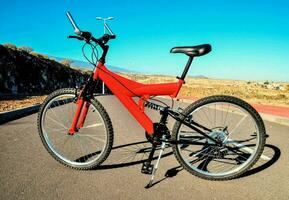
233	122
89	146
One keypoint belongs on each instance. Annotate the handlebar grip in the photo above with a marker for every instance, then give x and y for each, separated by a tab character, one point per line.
76	37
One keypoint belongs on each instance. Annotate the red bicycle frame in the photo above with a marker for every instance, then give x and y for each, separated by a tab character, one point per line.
125	89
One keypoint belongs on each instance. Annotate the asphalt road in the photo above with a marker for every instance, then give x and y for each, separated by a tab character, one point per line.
27	171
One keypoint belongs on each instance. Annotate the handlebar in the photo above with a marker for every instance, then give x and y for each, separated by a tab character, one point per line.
87	36
76	37
75	27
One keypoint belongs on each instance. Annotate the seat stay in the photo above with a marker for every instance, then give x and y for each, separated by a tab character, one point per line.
125	89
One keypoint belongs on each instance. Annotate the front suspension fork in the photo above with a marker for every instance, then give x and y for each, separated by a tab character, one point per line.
81	112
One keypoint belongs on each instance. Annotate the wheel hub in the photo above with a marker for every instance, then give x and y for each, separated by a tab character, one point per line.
218	134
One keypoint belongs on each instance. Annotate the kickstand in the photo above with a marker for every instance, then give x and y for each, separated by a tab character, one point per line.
156	166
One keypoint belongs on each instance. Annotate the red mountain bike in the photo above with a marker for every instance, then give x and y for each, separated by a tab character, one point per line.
215	138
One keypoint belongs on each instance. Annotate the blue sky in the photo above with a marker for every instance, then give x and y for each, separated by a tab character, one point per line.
250	39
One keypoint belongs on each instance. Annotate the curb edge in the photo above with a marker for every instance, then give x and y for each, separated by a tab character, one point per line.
18	113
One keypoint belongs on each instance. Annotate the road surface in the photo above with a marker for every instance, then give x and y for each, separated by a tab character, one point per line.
27	171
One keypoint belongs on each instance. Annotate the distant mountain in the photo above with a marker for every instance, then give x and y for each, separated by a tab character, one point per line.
199	76
86	65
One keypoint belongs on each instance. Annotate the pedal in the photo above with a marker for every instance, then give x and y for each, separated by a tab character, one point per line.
147	168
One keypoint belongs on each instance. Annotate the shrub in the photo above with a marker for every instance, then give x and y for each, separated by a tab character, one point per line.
26	49
10	46
38	55
66	62
281	96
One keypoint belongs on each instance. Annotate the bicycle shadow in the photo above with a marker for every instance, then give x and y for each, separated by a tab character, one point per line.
131	154
272	152
137	152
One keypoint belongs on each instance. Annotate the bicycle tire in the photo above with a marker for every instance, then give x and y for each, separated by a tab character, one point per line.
102	113
227	99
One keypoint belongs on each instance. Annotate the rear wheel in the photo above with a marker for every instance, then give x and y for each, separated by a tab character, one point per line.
233	122
86	148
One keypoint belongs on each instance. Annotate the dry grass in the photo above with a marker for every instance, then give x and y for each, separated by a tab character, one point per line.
194	87
253	92
11	104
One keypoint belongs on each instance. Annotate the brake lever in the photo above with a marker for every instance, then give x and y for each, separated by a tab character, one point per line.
112	36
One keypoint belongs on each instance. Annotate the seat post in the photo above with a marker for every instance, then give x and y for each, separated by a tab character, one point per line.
187	68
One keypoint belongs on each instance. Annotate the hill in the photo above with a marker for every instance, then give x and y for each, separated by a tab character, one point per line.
23	72
87	66
28	73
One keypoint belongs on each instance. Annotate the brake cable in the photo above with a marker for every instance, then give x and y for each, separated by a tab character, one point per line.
94	53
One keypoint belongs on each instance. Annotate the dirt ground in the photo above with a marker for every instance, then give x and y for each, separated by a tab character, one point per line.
266	93
20	102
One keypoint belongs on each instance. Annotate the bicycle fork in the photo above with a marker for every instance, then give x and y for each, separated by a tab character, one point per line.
79	116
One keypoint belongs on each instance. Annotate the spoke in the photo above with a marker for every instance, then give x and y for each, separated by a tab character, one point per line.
52	110
92	137
211	114
200	152
86	150
85	155
222	166
72	112
57	129
200	118
226	115
239	155
215	115
93	125
237	125
205	163
222	112
48	126
224	162
57	122
245	148
206	115
67	110
66	140
203	155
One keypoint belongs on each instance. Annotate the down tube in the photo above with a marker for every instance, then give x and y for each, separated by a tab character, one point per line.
128	102
139	115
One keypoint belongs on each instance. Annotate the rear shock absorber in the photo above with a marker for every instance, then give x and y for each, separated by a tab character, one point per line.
153	106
